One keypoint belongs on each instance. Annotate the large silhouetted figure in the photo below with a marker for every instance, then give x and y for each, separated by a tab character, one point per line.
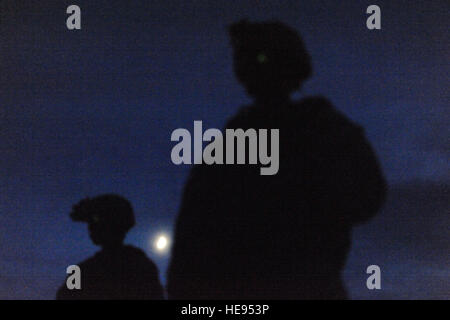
118	271
242	235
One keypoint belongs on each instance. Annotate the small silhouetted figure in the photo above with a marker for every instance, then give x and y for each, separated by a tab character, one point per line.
242	235
118	271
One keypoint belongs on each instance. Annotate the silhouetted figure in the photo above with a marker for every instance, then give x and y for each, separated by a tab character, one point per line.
118	271
243	235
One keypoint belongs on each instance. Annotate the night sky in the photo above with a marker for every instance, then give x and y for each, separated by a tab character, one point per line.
91	111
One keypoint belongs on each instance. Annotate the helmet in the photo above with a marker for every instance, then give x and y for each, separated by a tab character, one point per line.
107	209
269	56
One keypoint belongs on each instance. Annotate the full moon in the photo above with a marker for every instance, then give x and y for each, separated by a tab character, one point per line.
161	243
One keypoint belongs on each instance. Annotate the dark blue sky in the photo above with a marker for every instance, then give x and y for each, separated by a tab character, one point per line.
91	111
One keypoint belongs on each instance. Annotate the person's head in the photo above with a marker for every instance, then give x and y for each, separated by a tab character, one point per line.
270	59
109	218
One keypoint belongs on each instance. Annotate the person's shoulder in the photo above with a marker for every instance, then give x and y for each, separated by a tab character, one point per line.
133	251
137	254
324	114
317	101
86	266
89	262
241	117
315	106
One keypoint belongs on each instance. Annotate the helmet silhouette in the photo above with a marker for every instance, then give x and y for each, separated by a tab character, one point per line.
269	57
109	217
